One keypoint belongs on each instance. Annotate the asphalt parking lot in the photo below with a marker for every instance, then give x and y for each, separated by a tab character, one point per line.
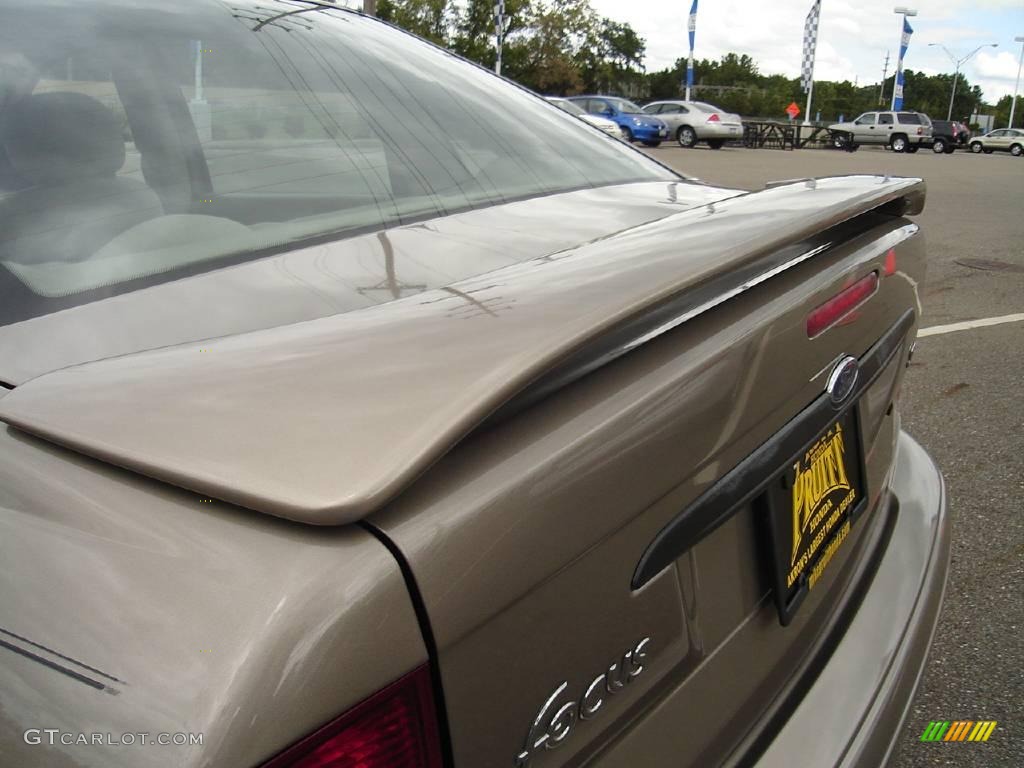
963	401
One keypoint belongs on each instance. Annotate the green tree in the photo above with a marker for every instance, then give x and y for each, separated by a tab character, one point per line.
431	19
930	94
559	30
612	57
474	34
1001	112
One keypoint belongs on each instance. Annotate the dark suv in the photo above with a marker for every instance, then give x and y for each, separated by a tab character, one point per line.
947	135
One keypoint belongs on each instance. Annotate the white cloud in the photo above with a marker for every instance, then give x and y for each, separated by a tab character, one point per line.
854	35
999	66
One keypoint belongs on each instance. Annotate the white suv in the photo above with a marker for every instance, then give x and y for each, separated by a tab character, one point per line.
902	131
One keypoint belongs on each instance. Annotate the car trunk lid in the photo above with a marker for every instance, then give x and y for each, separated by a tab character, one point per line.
557	646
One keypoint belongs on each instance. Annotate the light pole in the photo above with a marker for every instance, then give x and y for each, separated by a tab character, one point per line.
956	71
897	85
1016	87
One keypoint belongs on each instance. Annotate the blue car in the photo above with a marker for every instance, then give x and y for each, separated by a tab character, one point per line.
632	121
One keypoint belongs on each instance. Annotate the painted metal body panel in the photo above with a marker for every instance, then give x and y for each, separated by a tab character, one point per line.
372	433
524	538
194	617
857	704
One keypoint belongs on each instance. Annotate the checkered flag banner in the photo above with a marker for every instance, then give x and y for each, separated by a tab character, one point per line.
810	45
499	31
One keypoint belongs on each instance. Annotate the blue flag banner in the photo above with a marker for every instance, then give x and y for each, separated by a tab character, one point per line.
897	100
692	25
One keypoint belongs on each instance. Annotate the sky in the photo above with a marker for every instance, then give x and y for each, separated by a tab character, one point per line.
853	36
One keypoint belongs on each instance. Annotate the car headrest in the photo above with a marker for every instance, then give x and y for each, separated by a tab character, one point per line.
57	137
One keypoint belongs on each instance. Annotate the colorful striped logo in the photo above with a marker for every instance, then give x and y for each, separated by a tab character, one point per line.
958	730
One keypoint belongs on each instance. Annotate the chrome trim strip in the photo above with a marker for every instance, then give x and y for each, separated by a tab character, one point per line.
700	309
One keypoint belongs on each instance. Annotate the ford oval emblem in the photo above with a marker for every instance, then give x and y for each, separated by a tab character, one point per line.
842	380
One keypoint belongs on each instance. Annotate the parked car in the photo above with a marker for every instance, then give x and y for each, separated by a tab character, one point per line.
1003	140
433	429
634	124
901	131
947	135
690	122
609	127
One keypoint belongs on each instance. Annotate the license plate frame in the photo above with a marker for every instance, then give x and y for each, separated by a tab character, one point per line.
811	507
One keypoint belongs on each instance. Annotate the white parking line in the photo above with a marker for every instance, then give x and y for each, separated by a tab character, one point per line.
967	325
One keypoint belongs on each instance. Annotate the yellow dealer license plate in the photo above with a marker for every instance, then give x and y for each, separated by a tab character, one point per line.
811	508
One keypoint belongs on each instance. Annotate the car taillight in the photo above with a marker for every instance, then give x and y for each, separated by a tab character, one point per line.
394	728
714	118
890	262
840	305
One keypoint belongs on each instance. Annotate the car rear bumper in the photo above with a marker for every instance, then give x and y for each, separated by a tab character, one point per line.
853	713
645	133
720	131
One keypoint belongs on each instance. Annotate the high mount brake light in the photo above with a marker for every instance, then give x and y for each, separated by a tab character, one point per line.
394	728
843	303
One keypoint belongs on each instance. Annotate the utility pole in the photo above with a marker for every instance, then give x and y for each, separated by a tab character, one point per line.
1016	87
370	7
956	71
885	73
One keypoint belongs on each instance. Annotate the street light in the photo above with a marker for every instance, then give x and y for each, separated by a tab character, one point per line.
897	88
956	72
1016	86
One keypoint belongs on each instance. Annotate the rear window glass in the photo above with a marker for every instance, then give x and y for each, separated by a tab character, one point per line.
570	107
142	141
622	105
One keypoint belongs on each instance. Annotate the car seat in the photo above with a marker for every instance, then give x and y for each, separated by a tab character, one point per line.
68	147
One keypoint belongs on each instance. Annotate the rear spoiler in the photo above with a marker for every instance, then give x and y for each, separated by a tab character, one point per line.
324	421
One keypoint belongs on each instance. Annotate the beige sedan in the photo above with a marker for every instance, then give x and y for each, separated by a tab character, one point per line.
363	409
1003	140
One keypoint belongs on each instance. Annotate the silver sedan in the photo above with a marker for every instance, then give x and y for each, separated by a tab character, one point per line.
691	122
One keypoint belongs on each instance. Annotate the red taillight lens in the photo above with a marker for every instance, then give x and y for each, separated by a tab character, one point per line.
714	118
840	305
394	728
890	262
